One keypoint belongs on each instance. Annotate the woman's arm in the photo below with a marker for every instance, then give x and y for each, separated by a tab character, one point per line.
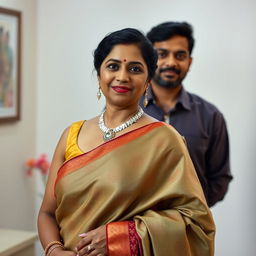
47	226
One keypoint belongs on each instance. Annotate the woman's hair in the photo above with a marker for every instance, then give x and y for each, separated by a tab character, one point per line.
126	36
167	30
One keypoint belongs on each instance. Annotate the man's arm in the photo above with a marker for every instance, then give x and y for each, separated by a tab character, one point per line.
218	162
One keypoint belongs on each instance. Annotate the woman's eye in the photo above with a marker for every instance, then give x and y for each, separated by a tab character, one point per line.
136	69
112	66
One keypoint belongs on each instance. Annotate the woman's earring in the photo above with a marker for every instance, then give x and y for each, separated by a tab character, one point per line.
99	94
145	101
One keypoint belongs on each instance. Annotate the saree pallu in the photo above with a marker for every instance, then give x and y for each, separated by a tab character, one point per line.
144	177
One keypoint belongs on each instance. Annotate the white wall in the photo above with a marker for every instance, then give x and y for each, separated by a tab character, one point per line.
222	72
68	31
17	140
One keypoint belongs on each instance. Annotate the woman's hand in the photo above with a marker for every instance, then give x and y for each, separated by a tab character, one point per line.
93	243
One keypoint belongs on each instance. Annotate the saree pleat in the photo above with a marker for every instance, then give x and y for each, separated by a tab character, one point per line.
146	176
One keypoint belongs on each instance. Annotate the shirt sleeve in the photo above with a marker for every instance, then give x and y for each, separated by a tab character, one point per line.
218	162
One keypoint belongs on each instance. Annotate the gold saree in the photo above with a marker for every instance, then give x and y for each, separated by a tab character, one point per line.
145	176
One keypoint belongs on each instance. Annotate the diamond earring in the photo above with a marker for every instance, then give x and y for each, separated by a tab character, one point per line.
99	94
145	101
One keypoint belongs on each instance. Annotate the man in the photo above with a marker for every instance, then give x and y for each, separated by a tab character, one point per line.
200	122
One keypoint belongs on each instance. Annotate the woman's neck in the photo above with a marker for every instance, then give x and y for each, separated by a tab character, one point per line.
114	116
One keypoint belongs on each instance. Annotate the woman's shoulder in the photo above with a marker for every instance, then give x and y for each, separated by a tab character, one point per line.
76	124
71	131
92	121
168	134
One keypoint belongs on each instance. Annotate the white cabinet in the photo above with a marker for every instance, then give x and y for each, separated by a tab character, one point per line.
16	242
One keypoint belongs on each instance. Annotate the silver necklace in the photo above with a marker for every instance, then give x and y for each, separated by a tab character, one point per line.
110	133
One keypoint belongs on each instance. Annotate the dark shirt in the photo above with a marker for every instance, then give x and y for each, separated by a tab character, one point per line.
204	129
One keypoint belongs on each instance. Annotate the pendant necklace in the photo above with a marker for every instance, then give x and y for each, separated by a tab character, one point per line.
110	133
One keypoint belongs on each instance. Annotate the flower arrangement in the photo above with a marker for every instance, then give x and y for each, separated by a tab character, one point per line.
41	164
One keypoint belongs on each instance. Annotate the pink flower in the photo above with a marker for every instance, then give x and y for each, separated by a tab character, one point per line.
42	164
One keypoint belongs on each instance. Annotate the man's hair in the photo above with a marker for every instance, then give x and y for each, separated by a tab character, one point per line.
167	30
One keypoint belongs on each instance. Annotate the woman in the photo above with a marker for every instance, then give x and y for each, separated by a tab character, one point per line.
129	190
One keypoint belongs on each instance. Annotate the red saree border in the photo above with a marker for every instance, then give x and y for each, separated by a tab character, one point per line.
123	239
88	157
135	240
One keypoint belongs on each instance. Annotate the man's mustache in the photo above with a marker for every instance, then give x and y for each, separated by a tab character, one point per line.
173	69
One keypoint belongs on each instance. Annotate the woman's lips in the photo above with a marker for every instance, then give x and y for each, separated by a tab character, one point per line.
121	89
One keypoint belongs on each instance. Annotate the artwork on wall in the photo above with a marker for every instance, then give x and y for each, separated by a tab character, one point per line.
10	60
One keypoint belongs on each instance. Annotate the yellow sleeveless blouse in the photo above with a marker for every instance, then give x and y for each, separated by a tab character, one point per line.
72	149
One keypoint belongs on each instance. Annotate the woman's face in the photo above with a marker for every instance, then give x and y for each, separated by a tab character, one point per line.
123	75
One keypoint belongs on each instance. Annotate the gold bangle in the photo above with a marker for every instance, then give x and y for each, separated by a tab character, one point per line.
50	245
53	248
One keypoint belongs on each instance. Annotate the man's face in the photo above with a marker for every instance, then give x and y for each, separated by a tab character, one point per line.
173	61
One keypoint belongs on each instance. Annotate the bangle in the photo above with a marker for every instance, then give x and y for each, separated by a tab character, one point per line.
50	245
53	248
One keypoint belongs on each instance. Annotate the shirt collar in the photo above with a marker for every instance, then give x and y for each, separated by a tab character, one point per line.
183	98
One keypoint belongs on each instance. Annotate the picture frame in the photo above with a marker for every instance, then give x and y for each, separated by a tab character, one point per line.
10	65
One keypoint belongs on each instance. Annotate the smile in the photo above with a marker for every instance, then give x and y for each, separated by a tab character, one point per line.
169	73
121	89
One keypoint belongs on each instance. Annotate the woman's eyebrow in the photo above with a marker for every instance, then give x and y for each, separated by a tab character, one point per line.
136	63
130	62
114	60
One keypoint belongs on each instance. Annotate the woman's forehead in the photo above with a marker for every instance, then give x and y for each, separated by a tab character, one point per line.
126	53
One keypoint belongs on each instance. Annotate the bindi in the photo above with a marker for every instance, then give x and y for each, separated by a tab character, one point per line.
125	60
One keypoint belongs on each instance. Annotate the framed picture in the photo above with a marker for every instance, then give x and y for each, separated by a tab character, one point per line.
10	59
